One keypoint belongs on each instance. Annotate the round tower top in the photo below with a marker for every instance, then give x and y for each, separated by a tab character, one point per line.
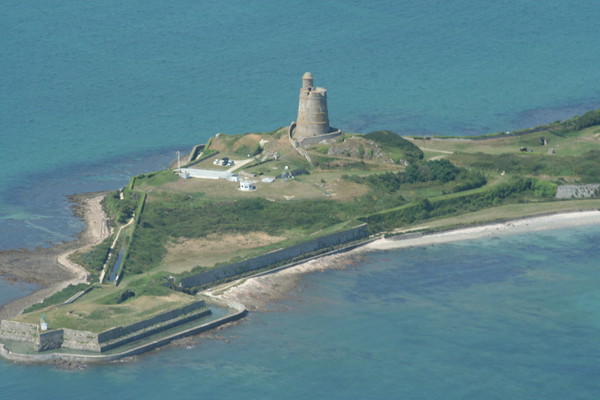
307	80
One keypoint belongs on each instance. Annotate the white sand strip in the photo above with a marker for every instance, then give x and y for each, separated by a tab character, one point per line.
258	291
532	224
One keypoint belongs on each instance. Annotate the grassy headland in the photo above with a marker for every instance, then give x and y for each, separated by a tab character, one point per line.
380	178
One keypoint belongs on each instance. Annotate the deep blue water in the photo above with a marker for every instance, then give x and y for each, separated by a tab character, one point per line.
93	92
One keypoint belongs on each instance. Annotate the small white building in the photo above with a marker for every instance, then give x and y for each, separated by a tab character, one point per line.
205	174
246	186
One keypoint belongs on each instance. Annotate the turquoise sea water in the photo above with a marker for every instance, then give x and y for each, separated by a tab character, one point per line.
93	92
515	317
89	88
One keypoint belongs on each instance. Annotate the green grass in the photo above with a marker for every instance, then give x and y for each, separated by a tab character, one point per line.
581	168
58	297
93	259
156	178
505	213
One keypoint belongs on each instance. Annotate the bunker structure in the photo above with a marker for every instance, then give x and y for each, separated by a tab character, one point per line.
312	125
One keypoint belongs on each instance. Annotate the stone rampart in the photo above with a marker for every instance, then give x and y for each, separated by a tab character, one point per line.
120	331
49	340
152	330
227	271
80	340
240	311
19	331
89	341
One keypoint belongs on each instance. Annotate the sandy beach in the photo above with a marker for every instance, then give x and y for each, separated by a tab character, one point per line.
50	268
257	292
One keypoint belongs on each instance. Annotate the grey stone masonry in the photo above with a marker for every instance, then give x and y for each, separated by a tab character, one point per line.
12	330
226	271
313	117
577	191
49	340
89	341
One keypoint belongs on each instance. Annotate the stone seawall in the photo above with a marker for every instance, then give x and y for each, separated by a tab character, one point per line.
112	338
80	340
227	271
121	331
151	331
49	340
240	312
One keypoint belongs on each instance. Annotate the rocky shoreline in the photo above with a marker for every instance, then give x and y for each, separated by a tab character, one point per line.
49	268
257	292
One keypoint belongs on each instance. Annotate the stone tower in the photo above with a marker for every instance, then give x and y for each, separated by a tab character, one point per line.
313	119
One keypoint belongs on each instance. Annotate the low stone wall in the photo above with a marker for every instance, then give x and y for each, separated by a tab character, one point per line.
577	191
307	141
19	331
226	271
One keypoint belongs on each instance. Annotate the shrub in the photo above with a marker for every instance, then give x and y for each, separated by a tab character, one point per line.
389	140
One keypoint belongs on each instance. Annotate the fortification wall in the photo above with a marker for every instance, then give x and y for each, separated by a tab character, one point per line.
276	256
80	340
152	330
49	340
89	341
120	331
51	357
22	332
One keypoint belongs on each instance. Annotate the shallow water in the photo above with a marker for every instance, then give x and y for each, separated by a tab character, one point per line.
96	92
10	291
509	317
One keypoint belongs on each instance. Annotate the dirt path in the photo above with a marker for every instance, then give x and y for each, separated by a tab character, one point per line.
97	230
240	164
50	268
437	151
112	247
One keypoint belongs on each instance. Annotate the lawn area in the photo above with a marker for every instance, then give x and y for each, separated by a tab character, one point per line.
220	189
573	144
184	254
90	314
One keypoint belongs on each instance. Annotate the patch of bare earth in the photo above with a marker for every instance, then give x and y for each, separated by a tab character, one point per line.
185	254
344	190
